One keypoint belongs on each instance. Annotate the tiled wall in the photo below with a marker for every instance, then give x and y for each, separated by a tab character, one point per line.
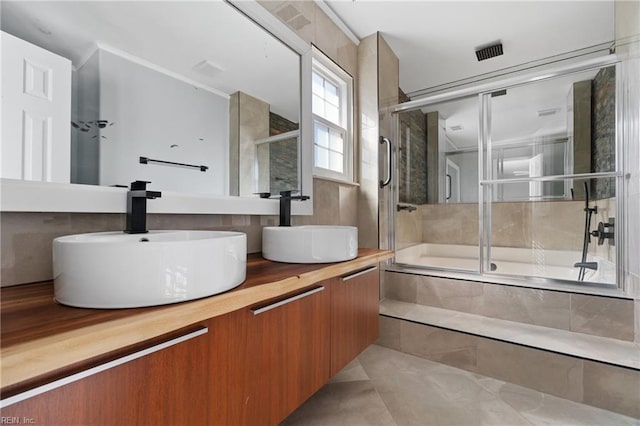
604	130
368	124
594	383
555	225
600	316
283	156
412	161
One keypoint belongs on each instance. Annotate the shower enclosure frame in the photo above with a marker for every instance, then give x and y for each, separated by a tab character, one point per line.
485	185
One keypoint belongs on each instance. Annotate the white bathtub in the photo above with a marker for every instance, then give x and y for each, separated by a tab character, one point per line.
535	262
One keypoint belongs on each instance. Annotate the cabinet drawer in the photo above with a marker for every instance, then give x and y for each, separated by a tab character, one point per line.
131	389
355	304
284	356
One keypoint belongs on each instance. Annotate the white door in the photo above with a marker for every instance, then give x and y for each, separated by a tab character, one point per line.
36	112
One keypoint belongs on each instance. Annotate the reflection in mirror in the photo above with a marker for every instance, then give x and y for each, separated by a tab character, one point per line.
559	126
143	79
276	160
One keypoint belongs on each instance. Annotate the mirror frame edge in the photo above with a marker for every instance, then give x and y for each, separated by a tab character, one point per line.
36	196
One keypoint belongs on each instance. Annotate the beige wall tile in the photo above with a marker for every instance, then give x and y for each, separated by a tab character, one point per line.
253	125
510	225
27	237
543	371
612	388
401	287
389	75
440	345
531	306
326	205
549	225
408	228
603	316
348	60
367	122
557	224
348	205
637	316
389	333
457	295
27	241
450	223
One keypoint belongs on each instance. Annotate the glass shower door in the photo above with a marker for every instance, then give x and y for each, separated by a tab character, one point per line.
436	211
551	179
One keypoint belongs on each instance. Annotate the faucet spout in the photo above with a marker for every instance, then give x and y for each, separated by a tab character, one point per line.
285	206
137	207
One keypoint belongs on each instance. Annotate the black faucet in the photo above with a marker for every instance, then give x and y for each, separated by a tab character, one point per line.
285	206
137	207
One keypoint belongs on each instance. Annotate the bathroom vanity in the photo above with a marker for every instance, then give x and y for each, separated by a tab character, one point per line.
248	356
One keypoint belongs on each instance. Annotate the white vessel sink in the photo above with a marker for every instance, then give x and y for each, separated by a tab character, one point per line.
309	244
118	270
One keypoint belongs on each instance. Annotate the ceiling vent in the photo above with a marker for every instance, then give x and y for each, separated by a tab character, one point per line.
487	52
547	112
499	93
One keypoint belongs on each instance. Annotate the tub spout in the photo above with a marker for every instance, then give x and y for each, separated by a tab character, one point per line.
589	265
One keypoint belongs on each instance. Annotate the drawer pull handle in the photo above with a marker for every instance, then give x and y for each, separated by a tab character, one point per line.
357	274
99	368
258	311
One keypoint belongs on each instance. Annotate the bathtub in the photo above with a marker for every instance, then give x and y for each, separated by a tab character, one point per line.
534	262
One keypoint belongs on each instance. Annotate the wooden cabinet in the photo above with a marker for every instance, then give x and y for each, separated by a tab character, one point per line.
355	301
281	351
160	382
253	366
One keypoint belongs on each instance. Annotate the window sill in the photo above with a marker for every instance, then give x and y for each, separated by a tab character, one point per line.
337	180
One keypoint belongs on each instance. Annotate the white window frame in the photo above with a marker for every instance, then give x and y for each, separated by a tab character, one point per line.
330	71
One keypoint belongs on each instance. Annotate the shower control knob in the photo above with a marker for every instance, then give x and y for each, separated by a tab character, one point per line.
601	234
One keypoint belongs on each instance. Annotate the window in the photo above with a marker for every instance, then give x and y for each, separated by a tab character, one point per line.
332	90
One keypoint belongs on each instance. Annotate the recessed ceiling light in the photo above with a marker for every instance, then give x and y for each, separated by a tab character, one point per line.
207	68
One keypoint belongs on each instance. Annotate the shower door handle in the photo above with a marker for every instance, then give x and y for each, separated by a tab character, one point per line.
387	181
448	188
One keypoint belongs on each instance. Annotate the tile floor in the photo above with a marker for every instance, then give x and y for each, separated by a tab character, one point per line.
387	387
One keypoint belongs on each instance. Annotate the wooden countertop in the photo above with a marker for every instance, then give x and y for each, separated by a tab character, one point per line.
39	336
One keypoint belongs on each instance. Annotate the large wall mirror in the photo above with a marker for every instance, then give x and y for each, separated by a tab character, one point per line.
195	97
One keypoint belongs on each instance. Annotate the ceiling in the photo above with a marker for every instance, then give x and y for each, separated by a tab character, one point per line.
435	41
174	35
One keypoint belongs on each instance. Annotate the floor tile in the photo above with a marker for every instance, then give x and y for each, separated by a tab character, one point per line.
355	403
387	387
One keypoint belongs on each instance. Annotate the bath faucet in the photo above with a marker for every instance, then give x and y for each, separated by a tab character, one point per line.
137	207
588	265
285	206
